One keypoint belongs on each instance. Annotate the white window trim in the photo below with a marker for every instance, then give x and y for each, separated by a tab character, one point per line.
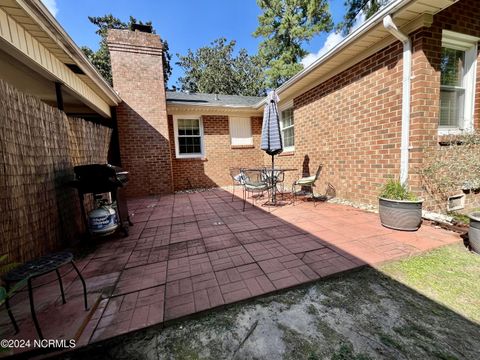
230	130
469	44
286	106
175	135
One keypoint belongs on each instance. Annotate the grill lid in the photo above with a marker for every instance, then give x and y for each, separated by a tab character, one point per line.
99	177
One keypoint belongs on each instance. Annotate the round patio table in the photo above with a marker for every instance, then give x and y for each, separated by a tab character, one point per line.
268	173
36	268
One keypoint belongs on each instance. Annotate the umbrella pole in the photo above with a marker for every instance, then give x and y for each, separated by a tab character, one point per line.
274	185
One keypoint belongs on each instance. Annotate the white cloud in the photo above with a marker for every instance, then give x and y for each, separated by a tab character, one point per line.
51	6
360	20
331	40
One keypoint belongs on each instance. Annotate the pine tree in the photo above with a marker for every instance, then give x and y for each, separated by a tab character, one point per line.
285	26
367	7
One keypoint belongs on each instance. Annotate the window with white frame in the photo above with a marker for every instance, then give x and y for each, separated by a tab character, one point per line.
287	128
188	136
457	82
240	131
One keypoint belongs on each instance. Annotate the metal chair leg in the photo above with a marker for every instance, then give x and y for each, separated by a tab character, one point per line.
314	199
233	192
83	283
269	196
244	199
293	194
9	311
61	285
32	309
283	190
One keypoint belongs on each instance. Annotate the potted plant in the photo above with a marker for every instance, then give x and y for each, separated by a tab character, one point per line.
399	209
474	231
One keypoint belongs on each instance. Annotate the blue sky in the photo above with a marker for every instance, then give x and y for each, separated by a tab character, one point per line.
184	23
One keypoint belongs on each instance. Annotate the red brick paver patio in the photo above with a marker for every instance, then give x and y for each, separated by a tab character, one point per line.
188	253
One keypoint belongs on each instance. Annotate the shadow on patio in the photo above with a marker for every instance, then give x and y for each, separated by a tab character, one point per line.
188	253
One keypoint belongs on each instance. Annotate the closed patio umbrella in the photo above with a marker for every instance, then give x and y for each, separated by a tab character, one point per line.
271	134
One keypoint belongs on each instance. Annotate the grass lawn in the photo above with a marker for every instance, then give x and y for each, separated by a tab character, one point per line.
425	307
449	275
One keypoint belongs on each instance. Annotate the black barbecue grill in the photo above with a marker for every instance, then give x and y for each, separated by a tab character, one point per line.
99	179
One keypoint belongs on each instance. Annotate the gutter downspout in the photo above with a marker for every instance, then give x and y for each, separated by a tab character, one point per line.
407	73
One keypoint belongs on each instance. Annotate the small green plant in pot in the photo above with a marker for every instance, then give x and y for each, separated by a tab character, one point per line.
399	209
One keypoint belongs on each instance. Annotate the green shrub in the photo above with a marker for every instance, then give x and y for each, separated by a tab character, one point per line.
394	190
454	166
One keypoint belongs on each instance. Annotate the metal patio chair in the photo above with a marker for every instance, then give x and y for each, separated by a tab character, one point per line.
26	273
237	178
255	182
308	181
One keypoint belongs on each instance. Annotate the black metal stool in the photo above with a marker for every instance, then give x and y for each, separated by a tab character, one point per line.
35	268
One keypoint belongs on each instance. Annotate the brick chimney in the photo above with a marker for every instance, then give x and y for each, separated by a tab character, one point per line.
137	71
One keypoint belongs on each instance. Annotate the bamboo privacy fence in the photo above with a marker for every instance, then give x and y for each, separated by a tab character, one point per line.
39	147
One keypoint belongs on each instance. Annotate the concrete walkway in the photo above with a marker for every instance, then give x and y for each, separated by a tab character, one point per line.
188	253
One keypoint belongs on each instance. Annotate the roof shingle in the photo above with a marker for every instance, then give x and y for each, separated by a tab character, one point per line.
200	99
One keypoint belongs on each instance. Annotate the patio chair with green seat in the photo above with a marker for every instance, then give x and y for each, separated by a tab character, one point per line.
307	181
255	182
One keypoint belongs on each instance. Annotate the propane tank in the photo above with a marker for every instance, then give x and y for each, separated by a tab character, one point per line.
103	220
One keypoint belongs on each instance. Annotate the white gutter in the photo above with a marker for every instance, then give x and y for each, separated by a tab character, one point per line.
407	74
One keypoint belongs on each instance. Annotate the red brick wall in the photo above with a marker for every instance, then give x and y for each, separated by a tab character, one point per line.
142	118
213	169
352	122
462	17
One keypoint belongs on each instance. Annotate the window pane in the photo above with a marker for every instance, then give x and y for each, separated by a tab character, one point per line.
196	149
451	67
288	122
189	145
287	118
182	124
288	137
188	127
451	107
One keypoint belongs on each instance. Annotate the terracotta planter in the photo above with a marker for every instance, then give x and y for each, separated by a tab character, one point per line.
474	232
400	214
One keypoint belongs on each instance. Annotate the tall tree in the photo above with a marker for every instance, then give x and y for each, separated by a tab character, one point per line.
285	26
101	57
215	69
354	7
